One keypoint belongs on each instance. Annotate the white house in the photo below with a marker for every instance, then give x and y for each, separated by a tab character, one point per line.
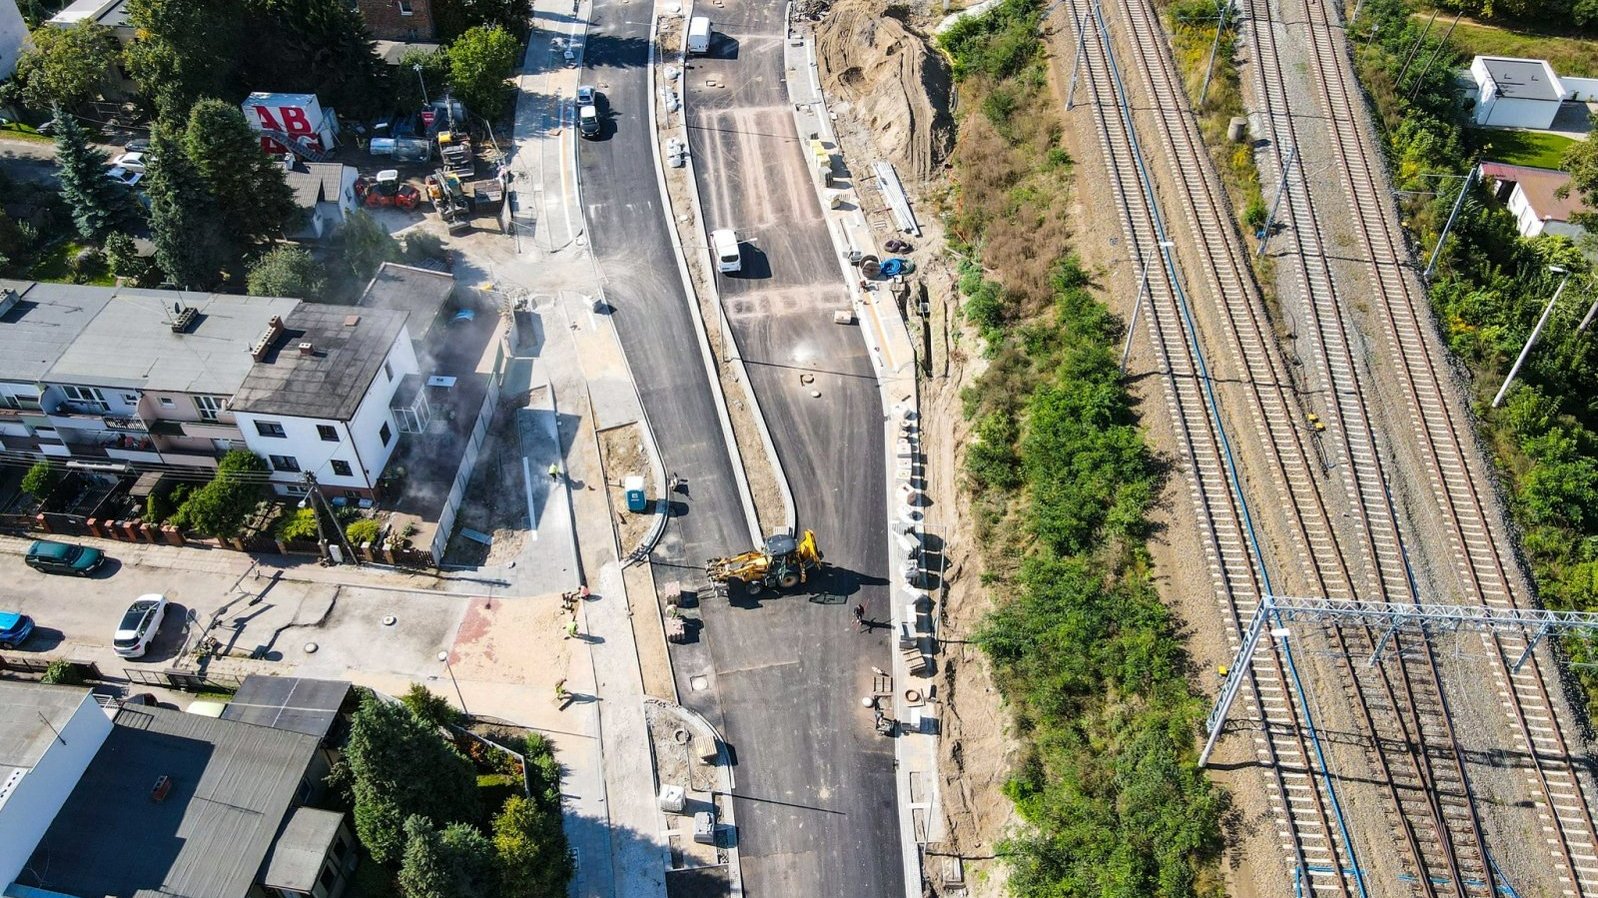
325	191
1532	196
13	37
319	399
48	736
1516	93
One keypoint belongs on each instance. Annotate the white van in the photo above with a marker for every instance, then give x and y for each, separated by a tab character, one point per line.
724	243
698	35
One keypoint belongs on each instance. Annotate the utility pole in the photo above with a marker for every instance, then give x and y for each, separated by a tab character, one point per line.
1209	68
1081	41
1281	191
1421	78
1459	202
421	81
1588	318
1535	333
1137	304
1402	71
314	495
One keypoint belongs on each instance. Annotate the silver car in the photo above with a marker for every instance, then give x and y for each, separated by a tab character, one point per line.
139	626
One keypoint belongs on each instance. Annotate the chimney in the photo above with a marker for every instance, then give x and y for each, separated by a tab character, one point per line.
274	329
8	298
307	350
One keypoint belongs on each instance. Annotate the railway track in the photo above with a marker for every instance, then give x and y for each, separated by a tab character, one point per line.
1313	833
1445	439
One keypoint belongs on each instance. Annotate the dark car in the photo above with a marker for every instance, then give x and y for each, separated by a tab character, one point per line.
14	629
64	558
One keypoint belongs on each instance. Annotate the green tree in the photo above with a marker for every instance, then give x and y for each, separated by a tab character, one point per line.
479	62
454	17
399	766
40	480
223	504
534	859
287	270
249	186
313	46
367	245
98	203
1581	160
457	862
408	87
191	243
184	50
64	66
429	706
123	254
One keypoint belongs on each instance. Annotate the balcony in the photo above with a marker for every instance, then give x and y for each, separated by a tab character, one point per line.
77	416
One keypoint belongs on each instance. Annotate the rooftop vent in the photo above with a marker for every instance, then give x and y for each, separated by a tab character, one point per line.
162	786
182	317
349	321
306	349
8	298
274	329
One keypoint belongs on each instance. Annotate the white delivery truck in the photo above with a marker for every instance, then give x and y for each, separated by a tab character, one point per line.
698	35
724	243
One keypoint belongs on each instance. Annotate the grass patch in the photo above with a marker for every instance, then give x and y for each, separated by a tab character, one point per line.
58	264
19	131
1523	147
1573	56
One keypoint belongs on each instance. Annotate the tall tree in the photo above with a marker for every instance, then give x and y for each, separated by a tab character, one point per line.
64	66
224	503
457	862
313	46
367	245
534	860
479	62
98	204
191	243
454	17
287	270
1581	160
400	766
249	186
184	50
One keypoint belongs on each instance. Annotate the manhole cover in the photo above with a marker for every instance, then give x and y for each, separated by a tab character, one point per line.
310	648
699	684
680	737
390	620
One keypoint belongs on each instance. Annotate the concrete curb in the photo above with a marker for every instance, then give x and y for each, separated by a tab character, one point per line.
790	518
752	519
724	765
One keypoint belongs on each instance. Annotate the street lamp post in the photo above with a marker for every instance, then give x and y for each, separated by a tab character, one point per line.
444	657
420	80
1535	333
1137	304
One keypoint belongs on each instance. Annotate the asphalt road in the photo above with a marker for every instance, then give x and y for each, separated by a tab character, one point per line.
792	673
627	231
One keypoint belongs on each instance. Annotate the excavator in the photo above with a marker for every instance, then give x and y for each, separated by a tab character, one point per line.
782	563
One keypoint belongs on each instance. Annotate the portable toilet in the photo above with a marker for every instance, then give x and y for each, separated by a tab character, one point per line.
633	485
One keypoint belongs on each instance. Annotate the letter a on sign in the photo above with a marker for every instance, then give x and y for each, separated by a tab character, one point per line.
264	113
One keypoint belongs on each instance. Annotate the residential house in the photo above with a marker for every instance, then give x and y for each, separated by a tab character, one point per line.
422	293
319	399
1532	195
325	191
13	37
38	322
399	20
113	14
1516	93
154	802
148	379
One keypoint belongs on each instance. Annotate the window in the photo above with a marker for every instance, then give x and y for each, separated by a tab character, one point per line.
341	468
385	434
28	400
130	398
270	429
405	7
211	406
285	463
86	396
327	432
388	370
327	878
166	402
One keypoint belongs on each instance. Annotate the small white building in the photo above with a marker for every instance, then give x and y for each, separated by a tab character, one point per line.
319	399
1532	196
325	191
13	37
1516	93
48	736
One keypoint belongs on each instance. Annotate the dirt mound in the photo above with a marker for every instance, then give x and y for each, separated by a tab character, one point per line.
895	85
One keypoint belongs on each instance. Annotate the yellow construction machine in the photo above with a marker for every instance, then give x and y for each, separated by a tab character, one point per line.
782	563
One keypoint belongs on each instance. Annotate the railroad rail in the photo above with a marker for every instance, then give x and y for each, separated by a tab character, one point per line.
1305	796
1444	433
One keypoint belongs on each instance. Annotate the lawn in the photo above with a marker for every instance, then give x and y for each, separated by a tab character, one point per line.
19	131
1573	56
55	264
1523	147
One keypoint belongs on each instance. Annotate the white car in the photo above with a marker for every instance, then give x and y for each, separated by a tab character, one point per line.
139	626
125	177
129	161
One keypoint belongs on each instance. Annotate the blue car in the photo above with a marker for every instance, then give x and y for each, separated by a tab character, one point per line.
14	629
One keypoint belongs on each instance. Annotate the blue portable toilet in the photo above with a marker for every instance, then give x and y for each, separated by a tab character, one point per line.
634	487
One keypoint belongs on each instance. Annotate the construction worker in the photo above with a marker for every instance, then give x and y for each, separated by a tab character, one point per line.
560	690
860	617
554	470
571	628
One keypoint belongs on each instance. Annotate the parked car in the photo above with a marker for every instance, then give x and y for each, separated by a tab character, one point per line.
14	629
63	558
585	95
129	161
137	145
139	626
124	177
588	121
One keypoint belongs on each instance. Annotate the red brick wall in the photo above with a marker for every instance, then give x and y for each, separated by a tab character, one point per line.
388	23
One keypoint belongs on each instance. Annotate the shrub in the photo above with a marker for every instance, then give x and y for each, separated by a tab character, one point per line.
430	706
40	480
62	673
362	531
301	525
